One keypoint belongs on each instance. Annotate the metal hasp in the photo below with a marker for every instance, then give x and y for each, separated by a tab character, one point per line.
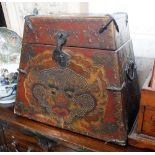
111	19
58	55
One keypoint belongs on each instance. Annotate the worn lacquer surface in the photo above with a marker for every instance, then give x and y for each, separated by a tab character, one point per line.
83	31
90	94
74	97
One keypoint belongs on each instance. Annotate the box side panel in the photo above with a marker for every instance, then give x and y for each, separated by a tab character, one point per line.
128	76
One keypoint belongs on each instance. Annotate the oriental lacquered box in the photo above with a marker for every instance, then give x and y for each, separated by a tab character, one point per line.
78	73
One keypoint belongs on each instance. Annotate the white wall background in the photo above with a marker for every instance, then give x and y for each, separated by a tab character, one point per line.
141	21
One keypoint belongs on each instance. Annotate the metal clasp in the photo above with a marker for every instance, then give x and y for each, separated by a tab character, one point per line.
58	55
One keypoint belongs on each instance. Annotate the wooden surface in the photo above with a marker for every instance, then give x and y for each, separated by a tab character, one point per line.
143	132
141	140
146	114
149	121
152	82
72	141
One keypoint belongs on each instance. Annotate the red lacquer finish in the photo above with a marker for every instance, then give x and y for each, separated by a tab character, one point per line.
84	90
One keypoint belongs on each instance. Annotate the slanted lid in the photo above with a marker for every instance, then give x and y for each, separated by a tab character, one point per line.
87	31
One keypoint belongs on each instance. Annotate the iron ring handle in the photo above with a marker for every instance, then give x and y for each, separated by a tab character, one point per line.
130	70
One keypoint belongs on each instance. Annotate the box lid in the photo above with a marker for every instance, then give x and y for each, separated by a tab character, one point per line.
87	31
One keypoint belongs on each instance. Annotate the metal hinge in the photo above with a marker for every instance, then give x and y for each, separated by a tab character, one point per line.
111	19
113	88
22	71
28	21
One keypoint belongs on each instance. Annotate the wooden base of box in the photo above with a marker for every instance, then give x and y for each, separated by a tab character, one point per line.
141	140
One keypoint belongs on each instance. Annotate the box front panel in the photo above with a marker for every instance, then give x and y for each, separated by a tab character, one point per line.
74	97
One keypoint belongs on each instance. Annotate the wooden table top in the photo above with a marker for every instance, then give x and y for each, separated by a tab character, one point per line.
8	117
